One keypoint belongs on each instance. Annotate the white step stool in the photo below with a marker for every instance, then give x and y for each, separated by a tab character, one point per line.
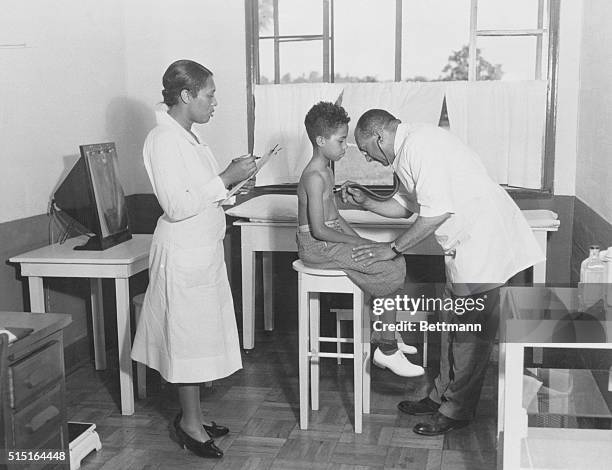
83	440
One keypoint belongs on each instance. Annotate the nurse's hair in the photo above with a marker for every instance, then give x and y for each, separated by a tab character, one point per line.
372	122
183	75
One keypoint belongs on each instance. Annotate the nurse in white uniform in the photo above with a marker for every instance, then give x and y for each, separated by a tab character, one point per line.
485	238
187	330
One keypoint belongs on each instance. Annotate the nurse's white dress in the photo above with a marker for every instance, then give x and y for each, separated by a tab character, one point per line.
487	233
187	329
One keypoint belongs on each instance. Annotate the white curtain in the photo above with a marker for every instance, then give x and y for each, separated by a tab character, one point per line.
407	101
279	119
504	123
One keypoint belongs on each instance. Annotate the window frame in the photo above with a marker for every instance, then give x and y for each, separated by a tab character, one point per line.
547	31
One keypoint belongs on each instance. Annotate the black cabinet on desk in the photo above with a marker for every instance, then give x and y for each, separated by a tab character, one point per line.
33	409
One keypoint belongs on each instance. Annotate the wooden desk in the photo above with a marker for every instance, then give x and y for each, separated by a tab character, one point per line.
33	415
119	263
280	236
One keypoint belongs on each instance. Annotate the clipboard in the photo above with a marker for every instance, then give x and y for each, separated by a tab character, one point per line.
259	163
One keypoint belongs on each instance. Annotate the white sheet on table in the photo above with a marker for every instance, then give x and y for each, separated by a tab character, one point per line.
541	218
504	123
279	119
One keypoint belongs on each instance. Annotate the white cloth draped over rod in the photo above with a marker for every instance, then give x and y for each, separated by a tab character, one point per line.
408	101
503	121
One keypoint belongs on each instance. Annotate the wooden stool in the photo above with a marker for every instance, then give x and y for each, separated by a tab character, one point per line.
342	314
311	283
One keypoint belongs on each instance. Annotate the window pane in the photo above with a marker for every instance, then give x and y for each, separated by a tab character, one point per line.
364	40
431	32
516	55
266	17
298	17
354	167
266	61
301	61
505	14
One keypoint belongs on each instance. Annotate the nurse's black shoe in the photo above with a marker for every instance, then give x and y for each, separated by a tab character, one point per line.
213	431
206	449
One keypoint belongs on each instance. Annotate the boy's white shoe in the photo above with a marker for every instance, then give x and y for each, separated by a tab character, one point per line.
403	347
406	348
397	363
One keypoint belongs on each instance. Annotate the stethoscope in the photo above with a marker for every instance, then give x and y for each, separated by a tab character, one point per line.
379	196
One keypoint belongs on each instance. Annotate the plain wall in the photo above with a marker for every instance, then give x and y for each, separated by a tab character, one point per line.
55	93
594	171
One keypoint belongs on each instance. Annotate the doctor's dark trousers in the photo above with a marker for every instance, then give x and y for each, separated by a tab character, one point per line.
464	358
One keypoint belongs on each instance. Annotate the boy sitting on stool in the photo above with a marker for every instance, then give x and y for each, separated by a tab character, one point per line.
325	240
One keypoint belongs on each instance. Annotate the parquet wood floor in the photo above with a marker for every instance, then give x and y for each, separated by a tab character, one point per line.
260	406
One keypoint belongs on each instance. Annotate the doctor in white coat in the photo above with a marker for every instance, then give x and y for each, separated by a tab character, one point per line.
485	238
187	330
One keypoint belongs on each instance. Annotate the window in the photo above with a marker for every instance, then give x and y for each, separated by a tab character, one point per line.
294	41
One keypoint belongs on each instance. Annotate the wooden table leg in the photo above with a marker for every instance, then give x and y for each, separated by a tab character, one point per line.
37	294
268	290
539	277
124	344
97	322
539	270
248	296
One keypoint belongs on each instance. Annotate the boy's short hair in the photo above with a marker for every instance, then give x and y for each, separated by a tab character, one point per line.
323	119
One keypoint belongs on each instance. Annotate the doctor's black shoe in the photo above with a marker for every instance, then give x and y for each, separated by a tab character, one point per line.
423	407
439	424
206	449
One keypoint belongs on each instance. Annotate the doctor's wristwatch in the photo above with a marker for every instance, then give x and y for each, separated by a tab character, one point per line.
394	248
